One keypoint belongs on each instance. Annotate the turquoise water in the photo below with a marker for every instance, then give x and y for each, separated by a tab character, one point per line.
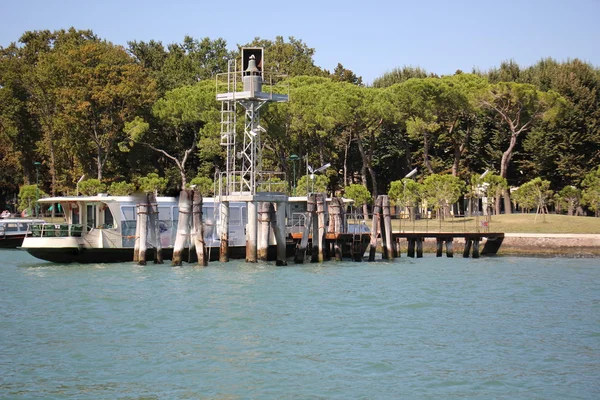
431	328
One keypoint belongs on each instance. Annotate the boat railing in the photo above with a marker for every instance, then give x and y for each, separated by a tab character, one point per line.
56	230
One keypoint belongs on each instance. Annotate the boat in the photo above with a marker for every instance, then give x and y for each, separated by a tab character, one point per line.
14	230
102	228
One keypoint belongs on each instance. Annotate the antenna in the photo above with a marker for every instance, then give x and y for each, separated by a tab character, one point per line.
484	174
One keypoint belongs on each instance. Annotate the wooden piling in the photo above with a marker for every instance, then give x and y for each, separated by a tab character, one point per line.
439	244
143	223
321	199
277	218
388	249
136	246
224	234
375	228
301	250
199	243
449	248
336	225
183	228
411	247
251	232
467	249
476	248
155	228
264	223
419	247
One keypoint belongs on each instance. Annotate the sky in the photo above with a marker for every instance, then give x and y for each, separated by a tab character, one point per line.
369	37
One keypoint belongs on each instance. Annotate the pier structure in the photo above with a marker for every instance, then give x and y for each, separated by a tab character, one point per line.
244	178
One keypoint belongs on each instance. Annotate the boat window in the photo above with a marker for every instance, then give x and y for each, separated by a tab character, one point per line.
108	218
175	213
164	213
11	227
208	213
91	216
75	215
128	213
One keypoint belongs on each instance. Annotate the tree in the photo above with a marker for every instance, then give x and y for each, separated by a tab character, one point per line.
406	193
183	114
360	196
28	195
571	197
121	189
441	191
92	187
591	191
535	193
152	183
103	90
519	107
204	185
399	75
316	185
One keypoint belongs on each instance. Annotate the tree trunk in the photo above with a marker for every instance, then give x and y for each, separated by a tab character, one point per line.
506	156
426	153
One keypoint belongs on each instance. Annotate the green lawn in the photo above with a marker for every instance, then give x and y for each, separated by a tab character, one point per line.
511	223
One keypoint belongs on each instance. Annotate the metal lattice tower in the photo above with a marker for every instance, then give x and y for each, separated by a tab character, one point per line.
243	177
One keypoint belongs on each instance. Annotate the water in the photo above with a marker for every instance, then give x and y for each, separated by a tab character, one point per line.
431	328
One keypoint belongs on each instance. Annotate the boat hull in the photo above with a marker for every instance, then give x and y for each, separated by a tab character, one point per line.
11	242
67	255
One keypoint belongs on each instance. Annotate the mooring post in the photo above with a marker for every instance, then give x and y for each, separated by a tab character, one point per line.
199	229
264	223
419	247
277	218
183	228
321	200
467	249
411	247
155	228
449	248
439	243
476	248
375	228
136	246
336	225
314	245
224	233
301	250
251	232
387	224
143	221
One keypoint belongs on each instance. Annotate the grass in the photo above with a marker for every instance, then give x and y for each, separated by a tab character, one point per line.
507	223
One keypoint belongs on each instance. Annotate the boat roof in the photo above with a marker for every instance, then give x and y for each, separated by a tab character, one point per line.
20	220
104	198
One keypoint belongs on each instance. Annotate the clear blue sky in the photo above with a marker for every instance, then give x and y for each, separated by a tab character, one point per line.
368	37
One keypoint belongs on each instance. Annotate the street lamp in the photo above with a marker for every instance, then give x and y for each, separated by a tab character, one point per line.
312	173
293	158
37	187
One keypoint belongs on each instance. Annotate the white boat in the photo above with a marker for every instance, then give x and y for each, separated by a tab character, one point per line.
102	228
14	230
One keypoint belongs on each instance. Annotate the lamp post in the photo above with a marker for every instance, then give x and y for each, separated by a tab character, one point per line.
293	158
37	187
312	173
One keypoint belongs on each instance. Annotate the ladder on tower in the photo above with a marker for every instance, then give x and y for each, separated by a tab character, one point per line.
228	122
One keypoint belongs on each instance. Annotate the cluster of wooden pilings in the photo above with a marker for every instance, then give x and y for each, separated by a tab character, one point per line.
189	228
327	241
266	219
